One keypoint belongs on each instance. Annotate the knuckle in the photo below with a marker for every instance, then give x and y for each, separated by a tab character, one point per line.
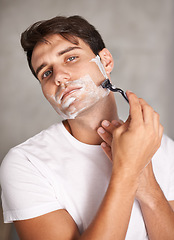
157	115
148	108
142	101
133	97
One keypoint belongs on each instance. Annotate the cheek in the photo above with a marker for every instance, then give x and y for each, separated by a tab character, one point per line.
47	90
88	67
96	75
90	89
97	78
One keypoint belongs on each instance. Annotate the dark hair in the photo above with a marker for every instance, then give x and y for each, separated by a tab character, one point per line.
67	27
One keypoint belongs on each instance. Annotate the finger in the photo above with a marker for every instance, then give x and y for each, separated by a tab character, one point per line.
135	109
110	126
147	111
106	136
117	123
106	131
107	150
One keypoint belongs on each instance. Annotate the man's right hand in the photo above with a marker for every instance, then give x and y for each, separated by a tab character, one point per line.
133	143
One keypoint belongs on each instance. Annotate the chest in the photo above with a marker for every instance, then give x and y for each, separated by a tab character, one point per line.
80	182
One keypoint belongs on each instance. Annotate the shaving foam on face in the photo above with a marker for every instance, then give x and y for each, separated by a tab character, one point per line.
68	102
100	65
83	94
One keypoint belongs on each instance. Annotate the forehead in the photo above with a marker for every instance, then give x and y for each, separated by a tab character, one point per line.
54	43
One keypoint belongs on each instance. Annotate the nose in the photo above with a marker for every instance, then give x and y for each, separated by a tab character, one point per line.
61	76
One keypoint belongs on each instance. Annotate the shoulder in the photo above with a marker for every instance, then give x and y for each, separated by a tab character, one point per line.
16	169
26	191
44	136
37	142
26	181
17	160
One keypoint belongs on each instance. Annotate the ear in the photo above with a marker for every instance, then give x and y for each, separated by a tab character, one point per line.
107	60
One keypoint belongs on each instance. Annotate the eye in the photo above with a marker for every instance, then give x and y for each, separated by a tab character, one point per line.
71	58
47	74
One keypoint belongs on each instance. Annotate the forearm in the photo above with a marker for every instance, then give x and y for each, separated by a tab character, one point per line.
112	219
158	216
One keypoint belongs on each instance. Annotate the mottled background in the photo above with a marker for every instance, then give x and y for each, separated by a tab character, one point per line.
139	34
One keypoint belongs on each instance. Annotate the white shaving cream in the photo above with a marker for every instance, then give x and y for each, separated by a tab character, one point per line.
100	65
83	94
73	97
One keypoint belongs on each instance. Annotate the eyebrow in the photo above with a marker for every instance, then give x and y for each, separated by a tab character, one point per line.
67	50
59	54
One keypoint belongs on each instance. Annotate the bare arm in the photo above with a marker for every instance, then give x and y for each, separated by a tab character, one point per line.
57	225
157	212
128	163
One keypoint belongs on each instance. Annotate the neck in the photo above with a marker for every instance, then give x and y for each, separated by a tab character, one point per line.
84	127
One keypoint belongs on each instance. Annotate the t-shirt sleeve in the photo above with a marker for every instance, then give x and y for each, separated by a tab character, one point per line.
26	193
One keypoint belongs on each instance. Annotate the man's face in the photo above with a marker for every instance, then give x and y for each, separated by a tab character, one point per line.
69	79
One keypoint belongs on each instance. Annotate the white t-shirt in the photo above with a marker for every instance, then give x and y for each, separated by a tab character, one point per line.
53	170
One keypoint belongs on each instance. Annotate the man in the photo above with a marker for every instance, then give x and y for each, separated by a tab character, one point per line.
61	184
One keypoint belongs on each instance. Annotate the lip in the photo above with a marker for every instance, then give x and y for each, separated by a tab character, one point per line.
67	92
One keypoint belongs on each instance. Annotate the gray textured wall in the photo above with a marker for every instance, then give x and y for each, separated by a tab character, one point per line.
139	34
